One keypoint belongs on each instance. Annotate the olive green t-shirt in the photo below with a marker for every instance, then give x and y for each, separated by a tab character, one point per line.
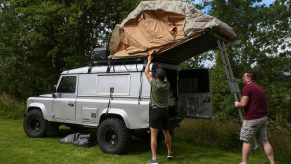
159	93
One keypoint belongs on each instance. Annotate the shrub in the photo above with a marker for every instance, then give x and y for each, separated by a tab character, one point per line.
211	132
10	108
280	135
225	133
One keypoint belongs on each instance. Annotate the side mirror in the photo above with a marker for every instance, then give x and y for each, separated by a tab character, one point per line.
54	91
111	92
55	88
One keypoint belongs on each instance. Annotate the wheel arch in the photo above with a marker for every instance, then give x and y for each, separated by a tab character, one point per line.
115	113
38	106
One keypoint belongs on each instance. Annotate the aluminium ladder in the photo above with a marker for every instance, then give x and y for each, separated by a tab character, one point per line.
229	75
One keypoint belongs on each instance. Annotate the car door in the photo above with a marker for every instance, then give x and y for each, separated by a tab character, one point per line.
64	105
194	94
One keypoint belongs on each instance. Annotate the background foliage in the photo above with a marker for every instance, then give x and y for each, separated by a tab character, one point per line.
263	45
39	39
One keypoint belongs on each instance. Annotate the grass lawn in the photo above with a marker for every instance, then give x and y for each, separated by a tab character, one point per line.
16	147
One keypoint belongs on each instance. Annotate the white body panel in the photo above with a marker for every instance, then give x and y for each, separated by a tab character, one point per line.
83	97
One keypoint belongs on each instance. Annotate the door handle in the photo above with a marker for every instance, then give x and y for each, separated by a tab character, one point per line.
71	105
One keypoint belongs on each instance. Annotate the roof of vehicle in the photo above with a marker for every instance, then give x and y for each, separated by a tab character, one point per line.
122	68
104	68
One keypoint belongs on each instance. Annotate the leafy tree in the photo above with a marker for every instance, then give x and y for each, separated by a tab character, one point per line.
39	39
261	46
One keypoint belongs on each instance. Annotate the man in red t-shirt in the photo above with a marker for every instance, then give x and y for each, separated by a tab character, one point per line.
255	117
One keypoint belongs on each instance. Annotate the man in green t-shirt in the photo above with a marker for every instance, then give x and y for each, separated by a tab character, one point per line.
159	117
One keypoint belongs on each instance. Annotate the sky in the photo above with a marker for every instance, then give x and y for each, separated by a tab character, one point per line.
266	2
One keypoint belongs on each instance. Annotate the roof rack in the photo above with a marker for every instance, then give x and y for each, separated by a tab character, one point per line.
118	61
99	56
112	62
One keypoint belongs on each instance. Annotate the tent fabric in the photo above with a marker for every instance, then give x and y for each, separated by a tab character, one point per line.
154	25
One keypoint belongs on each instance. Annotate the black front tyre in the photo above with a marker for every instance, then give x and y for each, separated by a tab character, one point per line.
113	136
34	124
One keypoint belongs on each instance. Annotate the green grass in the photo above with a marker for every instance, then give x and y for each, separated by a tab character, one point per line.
196	141
16	147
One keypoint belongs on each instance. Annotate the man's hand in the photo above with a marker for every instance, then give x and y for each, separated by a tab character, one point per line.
236	104
242	103
147	69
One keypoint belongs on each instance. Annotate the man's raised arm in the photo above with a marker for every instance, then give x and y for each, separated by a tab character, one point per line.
147	69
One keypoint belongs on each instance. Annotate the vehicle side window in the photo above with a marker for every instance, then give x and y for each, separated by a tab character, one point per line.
67	84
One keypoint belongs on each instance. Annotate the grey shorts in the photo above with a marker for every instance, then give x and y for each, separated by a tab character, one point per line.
254	128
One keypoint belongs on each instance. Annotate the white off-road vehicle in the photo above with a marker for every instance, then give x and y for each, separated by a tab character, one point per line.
113	97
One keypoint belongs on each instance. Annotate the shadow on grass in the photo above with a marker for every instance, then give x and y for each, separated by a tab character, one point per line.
136	145
141	145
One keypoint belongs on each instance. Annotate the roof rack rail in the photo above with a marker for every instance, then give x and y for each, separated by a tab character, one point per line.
113	62
117	61
99	57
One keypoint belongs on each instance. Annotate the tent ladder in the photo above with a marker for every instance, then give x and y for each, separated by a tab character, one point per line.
229	75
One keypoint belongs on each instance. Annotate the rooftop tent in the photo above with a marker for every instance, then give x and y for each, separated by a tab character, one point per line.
172	30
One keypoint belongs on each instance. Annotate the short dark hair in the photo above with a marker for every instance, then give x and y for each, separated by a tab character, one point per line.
161	74
251	75
154	70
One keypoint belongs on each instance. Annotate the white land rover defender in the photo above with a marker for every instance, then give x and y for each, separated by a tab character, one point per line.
115	100
113	95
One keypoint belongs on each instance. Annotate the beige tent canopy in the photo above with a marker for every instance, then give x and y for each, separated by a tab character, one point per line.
164	28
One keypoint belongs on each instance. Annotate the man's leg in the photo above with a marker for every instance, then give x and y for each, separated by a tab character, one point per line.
263	137
168	140
268	151
247	133
246	148
154	134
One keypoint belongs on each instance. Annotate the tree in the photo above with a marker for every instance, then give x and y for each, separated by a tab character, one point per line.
262	33
40	39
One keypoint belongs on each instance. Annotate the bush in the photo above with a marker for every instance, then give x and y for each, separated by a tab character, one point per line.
225	133
10	108
280	135
213	132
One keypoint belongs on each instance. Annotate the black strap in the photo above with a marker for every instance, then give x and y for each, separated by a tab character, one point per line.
140	88
108	106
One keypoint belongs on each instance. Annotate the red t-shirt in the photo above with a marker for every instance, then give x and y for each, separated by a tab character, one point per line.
257	106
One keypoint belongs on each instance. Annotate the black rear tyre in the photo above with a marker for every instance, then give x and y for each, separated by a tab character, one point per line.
113	136
34	124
